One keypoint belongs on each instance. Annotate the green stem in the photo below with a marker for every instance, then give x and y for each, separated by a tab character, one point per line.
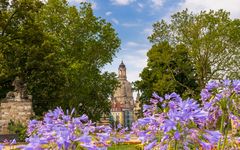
225	134
175	148
221	130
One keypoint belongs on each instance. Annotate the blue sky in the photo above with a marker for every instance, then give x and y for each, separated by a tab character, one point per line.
133	19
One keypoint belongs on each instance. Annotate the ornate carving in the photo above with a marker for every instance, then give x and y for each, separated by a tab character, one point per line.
17	84
10	95
20	91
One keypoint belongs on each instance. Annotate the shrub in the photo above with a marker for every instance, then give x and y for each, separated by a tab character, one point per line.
19	129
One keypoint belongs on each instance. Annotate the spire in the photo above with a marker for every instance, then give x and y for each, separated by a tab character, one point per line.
122	71
122	65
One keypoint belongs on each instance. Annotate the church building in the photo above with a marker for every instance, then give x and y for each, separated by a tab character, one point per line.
123	105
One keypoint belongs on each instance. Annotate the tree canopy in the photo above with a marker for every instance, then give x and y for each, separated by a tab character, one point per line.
210	40
58	50
168	69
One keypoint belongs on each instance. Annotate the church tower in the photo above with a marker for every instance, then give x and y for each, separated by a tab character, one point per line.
122	74
122	100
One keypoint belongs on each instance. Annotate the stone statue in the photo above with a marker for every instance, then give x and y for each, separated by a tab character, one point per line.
20	91
18	85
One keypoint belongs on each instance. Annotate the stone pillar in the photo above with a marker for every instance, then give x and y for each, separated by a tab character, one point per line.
17	106
17	111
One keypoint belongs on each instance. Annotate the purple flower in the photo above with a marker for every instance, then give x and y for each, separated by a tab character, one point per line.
212	136
119	126
37	140
156	96
167	96
226	82
32	125
128	137
62	130
73	110
163	147
34	143
89	146
174	114
103	136
175	97
211	85
29	147
1	147
171	104
165	137
144	121
150	145
206	146
177	135
146	135
205	95
154	101
236	86
84	118
146	107
84	139
169	125
200	114
163	105
207	105
218	97
193	134
13	142
236	120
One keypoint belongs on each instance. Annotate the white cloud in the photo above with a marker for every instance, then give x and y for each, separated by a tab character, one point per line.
132	44
130	24
198	5
137	60
157	3
108	13
115	21
140	5
135	57
122	2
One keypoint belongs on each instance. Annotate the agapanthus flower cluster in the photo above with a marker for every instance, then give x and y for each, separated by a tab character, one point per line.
63	131
173	122
169	122
222	99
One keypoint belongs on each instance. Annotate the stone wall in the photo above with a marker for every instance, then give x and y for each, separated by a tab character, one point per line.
14	110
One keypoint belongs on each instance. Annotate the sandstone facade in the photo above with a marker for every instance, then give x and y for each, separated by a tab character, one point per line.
122	109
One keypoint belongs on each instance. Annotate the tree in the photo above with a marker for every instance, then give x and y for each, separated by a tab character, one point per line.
211	39
168	70
189	51
58	50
